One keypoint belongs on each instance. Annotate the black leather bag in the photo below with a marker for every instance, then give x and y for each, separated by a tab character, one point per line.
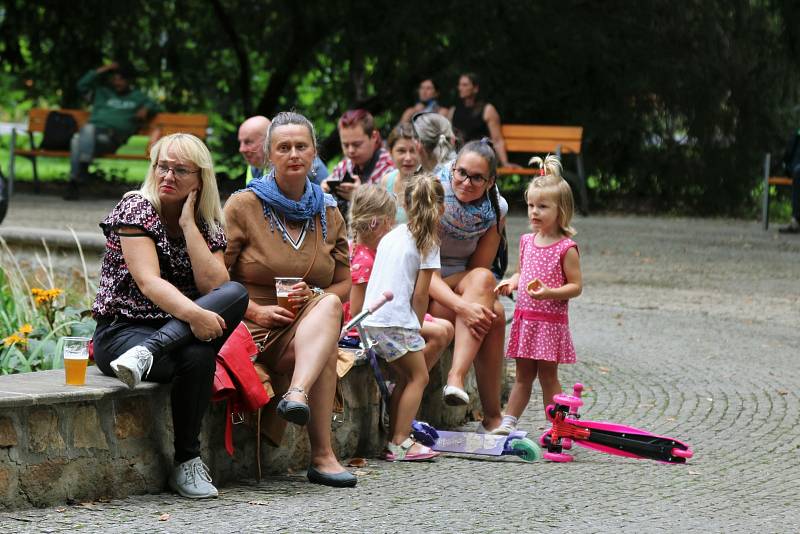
58	130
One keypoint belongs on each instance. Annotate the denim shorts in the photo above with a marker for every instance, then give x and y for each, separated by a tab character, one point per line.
392	342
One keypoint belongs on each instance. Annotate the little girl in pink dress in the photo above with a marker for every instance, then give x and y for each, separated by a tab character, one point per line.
549	273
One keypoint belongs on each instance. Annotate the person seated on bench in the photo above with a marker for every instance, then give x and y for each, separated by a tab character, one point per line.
252	134
365	160
283	225
436	139
428	94
791	161
474	119
165	305
463	291
118	111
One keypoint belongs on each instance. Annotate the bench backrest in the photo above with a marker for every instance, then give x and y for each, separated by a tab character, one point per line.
542	139
168	123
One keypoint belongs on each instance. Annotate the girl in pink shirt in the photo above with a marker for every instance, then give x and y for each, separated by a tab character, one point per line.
549	273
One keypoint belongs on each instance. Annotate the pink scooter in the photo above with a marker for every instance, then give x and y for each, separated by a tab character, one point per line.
610	438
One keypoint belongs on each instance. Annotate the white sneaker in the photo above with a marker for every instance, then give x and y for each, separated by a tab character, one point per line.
191	480
507	426
454	396
133	365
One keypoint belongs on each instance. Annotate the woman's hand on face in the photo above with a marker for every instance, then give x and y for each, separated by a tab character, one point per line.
478	319
187	219
272	316
206	325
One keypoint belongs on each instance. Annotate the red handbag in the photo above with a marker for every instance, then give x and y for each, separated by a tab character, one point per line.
236	381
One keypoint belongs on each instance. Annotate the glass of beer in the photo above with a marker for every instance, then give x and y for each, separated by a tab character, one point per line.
76	356
283	286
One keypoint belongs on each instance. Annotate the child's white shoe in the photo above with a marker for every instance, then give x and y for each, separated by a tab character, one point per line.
507	426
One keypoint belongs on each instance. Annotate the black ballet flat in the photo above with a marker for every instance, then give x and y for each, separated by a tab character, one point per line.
293	411
345	479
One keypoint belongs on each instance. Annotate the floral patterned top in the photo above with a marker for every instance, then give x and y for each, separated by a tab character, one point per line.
118	295
362	258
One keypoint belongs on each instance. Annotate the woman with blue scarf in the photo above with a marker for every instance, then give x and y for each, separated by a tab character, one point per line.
283	225
463	291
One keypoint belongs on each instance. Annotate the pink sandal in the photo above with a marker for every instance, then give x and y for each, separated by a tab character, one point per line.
401	453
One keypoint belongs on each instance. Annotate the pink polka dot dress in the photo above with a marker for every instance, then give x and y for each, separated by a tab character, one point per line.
540	330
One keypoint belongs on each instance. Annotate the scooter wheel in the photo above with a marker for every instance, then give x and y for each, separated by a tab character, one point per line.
530	451
567	400
560	457
544	439
681	453
566	443
424	433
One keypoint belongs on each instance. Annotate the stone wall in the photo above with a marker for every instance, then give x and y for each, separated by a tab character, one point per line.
62	442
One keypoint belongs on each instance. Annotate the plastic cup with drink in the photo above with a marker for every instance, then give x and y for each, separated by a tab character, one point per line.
76	357
283	287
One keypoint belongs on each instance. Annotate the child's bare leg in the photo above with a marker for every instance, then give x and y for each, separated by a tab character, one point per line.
394	401
523	385
412	366
548	378
437	335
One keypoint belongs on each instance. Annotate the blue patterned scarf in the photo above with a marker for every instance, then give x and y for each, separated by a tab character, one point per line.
313	201
464	221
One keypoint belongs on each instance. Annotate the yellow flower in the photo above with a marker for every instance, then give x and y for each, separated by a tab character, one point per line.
43	296
25	329
14	338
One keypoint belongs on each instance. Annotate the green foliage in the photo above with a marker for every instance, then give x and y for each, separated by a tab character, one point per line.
678	102
33	320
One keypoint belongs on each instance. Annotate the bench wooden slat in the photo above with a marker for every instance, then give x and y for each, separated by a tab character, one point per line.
39	153
542	146
779	180
169	123
564	133
525	171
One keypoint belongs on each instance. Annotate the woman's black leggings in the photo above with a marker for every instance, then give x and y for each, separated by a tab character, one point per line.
178	358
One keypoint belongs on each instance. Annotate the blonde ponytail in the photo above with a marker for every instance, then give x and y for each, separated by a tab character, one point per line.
424	196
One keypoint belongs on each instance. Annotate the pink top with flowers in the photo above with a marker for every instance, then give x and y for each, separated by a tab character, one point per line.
540	330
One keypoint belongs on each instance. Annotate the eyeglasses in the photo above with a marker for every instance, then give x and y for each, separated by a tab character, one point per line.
178	172
462	175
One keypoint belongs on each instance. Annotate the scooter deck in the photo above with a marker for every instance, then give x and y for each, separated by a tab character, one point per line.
472	443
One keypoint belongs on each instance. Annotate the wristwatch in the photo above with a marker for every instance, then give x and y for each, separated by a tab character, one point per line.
317	291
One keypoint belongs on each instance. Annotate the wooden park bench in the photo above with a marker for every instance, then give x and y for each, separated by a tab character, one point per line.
162	123
769	181
537	139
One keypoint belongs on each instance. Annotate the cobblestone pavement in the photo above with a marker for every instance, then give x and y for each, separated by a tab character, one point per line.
687	328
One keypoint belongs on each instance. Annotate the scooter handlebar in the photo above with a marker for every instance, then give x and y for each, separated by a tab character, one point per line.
383	299
372	308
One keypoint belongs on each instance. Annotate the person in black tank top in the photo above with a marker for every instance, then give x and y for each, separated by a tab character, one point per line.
474	119
468	122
